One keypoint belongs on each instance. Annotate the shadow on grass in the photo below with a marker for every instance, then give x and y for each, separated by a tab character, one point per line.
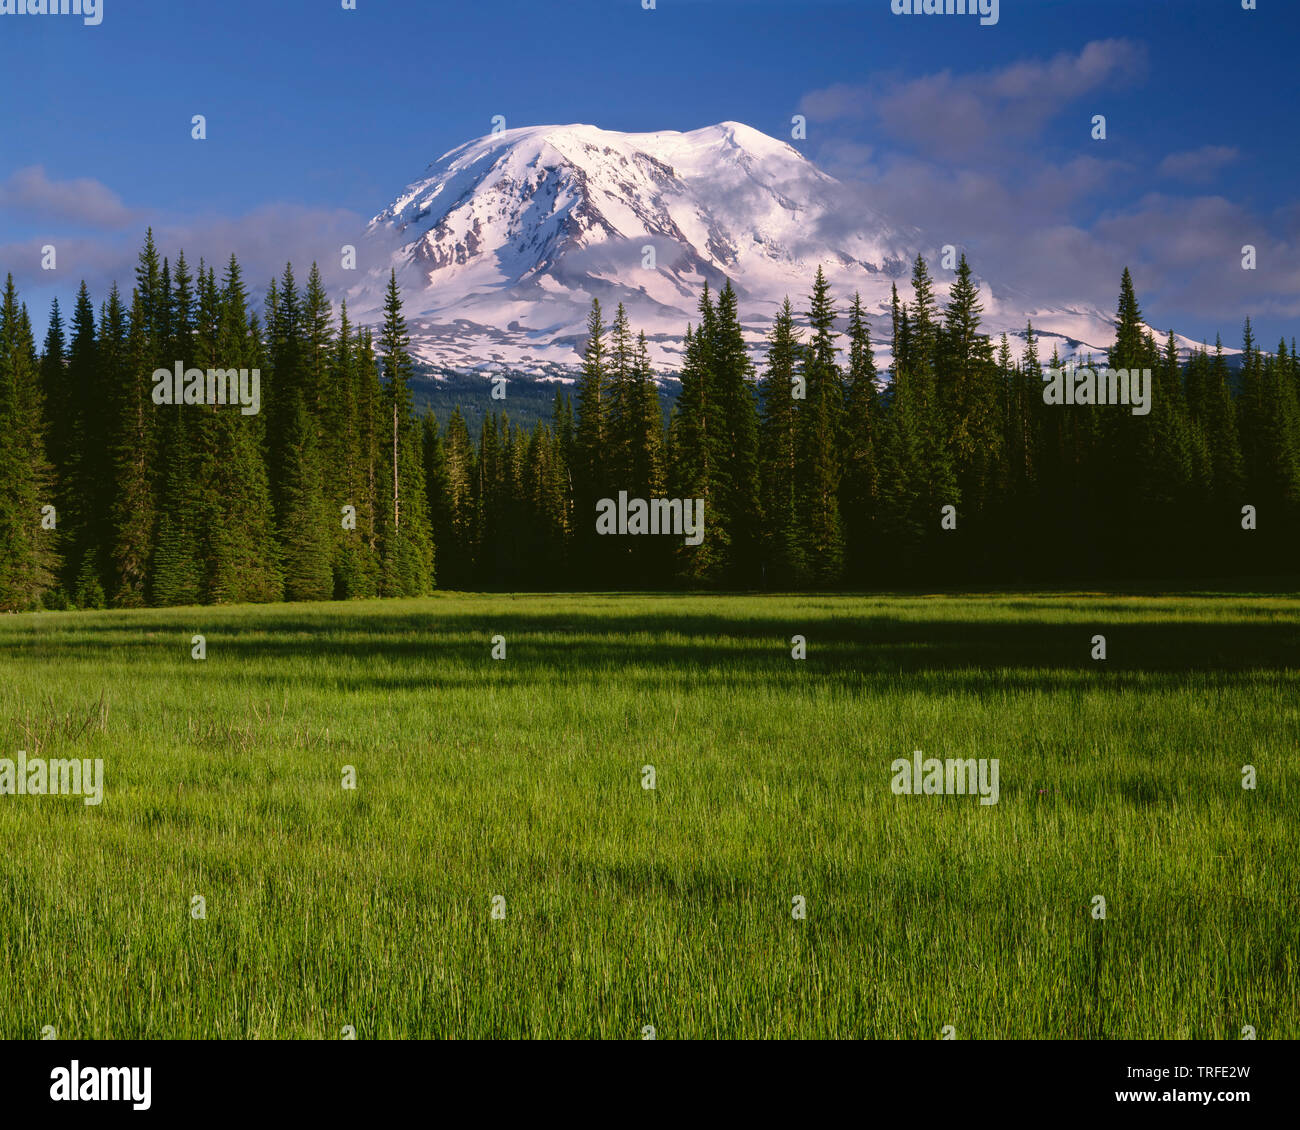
754	641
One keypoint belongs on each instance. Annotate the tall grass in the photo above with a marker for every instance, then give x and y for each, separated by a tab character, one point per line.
627	907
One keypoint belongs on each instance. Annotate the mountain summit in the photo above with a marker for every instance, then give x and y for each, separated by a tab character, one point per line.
503	242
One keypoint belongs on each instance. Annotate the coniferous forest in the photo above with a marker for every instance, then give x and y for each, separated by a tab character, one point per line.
818	471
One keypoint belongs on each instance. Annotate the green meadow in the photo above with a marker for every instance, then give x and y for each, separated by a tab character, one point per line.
515	786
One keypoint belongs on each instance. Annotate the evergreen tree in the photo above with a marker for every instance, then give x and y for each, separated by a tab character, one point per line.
923	338
177	574
860	485
149	299
168	504
972	408
372	504
59	420
85	472
438	491
697	448
28	561
563	428
131	452
489	498
916	471
590	475
56	391
241	555
317	353
406	540
736	429
1218	418
459	555
623	449
306	536
182	310
286	383
819	441
783	561
343	457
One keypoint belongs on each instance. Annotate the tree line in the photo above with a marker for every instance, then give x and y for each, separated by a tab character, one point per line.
814	471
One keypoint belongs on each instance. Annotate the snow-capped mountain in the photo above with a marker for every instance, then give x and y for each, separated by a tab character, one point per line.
504	241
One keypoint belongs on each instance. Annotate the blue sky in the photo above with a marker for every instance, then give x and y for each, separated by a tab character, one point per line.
980	136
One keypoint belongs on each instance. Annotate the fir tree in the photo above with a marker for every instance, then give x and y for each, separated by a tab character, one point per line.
783	562
242	556
860	485
406	540
438	491
177	573
60	413
131	461
306	536
969	394
819	440
85	473
28	561
697	447
590	475
459	556
736	430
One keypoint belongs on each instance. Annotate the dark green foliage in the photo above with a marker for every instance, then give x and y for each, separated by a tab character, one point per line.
306	530
817	474
860	448
917	473
591	477
818	443
783	564
243	555
696	469
130	409
405	539
736	511
28	552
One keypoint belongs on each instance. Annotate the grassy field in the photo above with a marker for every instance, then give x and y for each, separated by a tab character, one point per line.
672	907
